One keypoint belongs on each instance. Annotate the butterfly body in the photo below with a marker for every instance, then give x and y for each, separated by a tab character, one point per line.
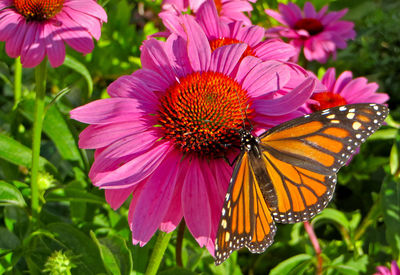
288	173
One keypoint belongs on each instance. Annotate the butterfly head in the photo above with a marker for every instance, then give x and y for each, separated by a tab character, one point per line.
248	141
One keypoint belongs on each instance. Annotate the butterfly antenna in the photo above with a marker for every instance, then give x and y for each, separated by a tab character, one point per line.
244	116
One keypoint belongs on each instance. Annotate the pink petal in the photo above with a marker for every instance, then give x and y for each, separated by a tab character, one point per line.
129	86
278	17
55	47
309	10
353	86
33	48
98	136
90	23
89	7
333	16
172	22
247	64
74	35
152	79
153	57
8	19
208	18
226	58
287	103
343	79
395	268
274	50
134	170
195	202
329	79
177	53
155	196
174	214
116	197
108	110
266	77
14	42
267	122
199	50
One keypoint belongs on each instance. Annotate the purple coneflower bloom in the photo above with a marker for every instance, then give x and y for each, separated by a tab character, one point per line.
383	270
319	33
164	134
36	29
221	33
228	10
345	90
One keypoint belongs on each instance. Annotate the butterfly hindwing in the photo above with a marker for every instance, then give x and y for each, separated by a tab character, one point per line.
303	156
246	219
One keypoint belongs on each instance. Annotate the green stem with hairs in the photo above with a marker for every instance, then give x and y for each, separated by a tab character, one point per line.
158	252
17	82
40	77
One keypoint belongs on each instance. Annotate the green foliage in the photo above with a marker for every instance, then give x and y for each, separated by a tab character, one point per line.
77	228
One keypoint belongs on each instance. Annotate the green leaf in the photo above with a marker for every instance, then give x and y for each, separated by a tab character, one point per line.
177	271
10	195
116	256
109	261
8	240
88	258
18	154
56	128
287	266
81	69
394	159
390	194
73	194
332	215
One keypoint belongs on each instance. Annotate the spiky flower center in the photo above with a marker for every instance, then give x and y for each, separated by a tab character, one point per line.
311	25
38	10
327	100
203	112
216	43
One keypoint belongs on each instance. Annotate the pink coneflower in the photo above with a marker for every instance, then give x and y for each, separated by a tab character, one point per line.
36	29
164	133
319	33
229	10
383	270
220	33
346	90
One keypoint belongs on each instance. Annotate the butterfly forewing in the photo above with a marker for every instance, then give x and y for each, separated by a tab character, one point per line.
303	156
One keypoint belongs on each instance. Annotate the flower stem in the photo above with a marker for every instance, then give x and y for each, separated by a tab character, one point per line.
317	248
40	77
179	241
17	82
158	252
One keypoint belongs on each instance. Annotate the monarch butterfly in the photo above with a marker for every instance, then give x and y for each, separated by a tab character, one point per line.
288	174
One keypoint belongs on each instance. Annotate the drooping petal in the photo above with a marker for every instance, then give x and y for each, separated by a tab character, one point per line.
194	193
287	103
156	194
33	48
116	197
135	170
